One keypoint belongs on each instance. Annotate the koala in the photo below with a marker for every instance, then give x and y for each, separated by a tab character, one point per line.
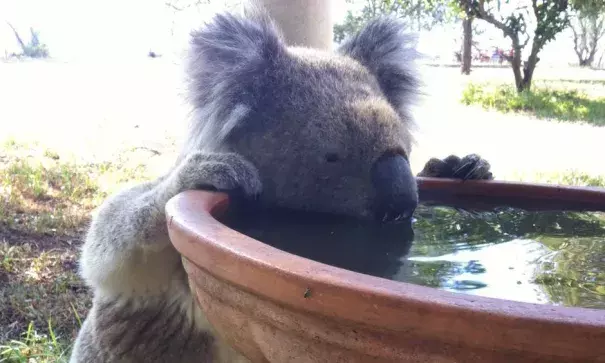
275	125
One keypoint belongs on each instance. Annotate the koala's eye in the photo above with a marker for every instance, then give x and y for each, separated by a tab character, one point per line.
332	157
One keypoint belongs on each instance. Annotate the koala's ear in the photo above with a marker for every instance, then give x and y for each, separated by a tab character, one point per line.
389	53
229	55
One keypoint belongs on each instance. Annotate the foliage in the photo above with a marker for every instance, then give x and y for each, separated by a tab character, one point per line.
574	276
548	103
421	14
588	27
351	25
550	17
567	177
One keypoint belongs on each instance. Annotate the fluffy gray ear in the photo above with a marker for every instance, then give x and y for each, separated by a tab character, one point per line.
229	59
232	49
389	53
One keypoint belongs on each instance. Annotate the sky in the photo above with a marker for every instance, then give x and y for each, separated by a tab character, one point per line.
77	28
114	29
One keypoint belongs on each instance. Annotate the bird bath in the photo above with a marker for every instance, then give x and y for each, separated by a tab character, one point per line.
278	306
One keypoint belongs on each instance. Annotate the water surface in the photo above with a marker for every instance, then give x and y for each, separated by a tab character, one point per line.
549	257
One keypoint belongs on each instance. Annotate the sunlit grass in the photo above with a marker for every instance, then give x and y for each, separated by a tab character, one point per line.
41	193
34	347
567	177
45	204
546	100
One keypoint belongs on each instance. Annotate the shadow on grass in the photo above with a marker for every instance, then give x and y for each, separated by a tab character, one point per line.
543	102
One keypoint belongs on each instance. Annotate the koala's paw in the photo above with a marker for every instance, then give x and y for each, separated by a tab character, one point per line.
223	172
470	167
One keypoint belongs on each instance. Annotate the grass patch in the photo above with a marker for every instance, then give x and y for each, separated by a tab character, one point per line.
543	101
40	193
35	347
569	177
45	204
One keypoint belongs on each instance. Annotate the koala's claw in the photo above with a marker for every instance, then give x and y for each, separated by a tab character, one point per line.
470	167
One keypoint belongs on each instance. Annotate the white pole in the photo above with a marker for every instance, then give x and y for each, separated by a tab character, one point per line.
306	23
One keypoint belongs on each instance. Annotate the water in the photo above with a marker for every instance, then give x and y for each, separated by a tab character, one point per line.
548	257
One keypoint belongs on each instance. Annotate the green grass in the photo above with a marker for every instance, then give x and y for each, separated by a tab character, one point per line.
568	177
45	204
546	100
35	347
43	193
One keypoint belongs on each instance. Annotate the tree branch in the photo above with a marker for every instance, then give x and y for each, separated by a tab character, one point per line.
21	44
484	15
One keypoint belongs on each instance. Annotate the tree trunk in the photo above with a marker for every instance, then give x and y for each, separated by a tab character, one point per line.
467	44
528	71
525	75
591	56
515	63
307	23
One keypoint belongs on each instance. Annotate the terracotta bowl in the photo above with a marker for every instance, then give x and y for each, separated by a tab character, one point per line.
278	307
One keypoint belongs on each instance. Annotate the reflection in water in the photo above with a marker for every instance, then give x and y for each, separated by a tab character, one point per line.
504	270
543	257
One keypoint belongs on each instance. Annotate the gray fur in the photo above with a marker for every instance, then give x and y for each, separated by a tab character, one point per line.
389	53
290	127
228	59
143	310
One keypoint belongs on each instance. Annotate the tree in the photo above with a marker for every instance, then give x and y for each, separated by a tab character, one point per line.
421	14
464	10
588	27
33	48
467	44
550	17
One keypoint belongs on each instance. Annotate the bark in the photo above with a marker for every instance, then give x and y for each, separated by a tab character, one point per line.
307	23
467	27
516	65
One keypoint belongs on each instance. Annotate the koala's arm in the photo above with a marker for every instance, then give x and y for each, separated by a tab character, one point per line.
127	250
142	307
470	167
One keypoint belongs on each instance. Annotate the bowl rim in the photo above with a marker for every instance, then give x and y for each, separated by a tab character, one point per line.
313	287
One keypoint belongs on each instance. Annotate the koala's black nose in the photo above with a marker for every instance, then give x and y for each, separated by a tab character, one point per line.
396	188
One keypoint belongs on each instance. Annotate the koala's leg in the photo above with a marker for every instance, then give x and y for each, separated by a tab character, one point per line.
143	309
470	167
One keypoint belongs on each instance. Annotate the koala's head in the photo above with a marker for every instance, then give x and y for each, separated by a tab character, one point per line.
328	132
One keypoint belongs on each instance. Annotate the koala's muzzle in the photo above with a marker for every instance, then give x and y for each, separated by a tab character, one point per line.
396	188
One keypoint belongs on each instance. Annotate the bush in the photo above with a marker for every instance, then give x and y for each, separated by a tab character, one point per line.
33	48
545	102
